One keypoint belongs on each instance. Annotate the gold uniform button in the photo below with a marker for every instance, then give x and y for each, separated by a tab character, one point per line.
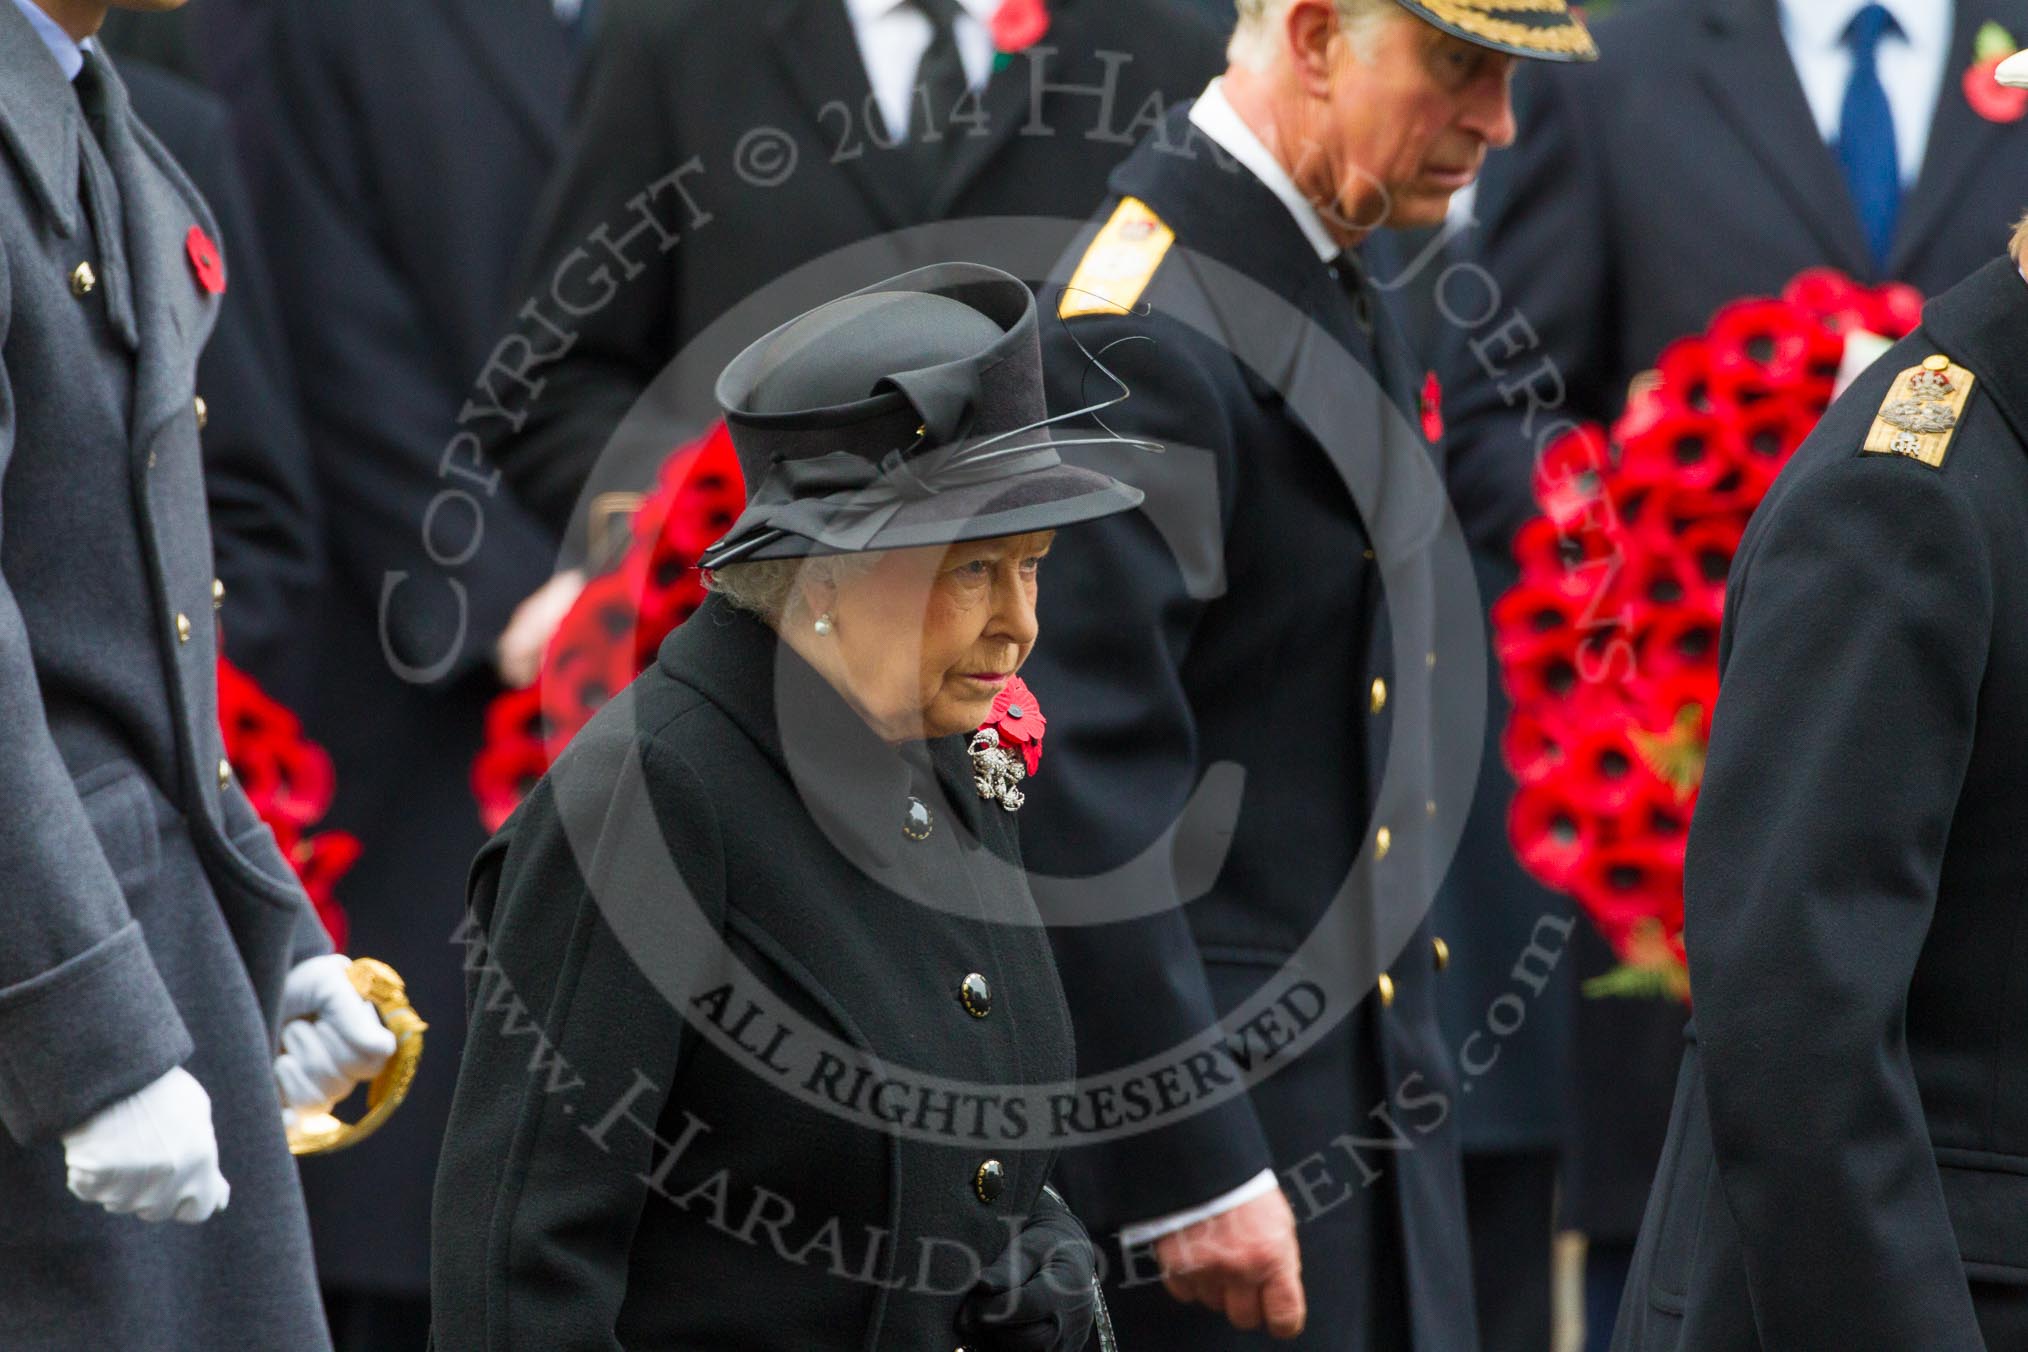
82	280
224	773
217	594
976	995
182	628
1441	950
1379	699
989	1181
1383	841
202	410
1386	988
1936	362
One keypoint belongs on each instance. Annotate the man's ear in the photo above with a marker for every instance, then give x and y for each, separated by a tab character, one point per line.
1310	38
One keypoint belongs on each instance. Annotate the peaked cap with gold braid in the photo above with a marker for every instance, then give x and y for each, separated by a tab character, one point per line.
1544	30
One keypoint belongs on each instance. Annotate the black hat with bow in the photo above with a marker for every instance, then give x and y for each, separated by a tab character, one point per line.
909	413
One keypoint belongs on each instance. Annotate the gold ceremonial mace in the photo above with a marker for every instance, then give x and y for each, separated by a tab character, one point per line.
322	1133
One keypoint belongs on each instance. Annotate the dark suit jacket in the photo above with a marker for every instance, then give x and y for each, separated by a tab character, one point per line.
1681	171
684	194
755	845
1260	615
266	525
403	152
1849	1153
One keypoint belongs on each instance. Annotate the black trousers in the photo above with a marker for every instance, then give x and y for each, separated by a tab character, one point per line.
369	1321
1510	1205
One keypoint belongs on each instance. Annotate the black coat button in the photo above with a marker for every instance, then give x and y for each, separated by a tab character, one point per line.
989	1181
976	995
917	823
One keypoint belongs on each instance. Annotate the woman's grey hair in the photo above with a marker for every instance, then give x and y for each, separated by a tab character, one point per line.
1255	37
767	587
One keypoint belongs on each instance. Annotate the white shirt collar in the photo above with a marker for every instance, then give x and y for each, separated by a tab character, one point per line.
868	11
1821	24
69	55
1214	115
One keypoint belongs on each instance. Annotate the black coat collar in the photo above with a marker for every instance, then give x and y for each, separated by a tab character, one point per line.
1982	324
850	778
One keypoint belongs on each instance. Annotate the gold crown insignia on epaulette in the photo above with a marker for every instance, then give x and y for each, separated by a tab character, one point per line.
1121	261
1921	411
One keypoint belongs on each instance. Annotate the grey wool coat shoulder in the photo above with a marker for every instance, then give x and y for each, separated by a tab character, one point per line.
148	917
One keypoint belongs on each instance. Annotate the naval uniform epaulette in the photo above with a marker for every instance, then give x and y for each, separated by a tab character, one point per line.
1119	263
1921	412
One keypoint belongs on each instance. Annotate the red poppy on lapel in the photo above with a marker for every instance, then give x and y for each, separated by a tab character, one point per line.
1018	25
204	261
1019	721
1432	408
1989	98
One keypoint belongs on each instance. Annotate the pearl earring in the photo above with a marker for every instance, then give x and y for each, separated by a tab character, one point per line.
824	625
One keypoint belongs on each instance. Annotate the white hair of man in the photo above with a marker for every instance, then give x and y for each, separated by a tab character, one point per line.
1257	36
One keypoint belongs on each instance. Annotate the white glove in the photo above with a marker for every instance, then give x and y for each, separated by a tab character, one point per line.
332	1038
151	1154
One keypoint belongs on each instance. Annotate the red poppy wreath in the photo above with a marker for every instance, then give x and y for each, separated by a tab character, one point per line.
1608	645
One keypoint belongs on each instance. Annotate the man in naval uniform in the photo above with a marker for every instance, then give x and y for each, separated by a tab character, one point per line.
155	948
1847	1160
1255	613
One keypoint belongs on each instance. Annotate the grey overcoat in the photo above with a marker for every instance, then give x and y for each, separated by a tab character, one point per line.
146	916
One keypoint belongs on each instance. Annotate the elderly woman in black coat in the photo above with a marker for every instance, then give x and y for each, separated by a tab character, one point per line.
765	1025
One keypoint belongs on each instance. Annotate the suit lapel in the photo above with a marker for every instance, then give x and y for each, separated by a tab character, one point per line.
1004	104
814	41
1959	141
1747	71
1008	105
172	313
527	55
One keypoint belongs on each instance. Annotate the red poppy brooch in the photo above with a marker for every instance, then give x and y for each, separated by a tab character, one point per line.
1989	98
1007	748
1016	26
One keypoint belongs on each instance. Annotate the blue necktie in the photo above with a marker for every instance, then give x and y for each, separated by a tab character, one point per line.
1866	132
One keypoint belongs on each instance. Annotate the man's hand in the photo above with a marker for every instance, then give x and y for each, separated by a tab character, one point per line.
152	1154
331	1037
1243	1264
518	655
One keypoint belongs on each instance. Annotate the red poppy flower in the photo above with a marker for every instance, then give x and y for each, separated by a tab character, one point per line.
289	781
1626	884
1576	563
1681	639
1570	474
1528	618
205	263
1682	448
1019	721
1768	434
1895	308
1432	408
1550	834
1018	25
1989	98
1531	748
1759	348
1685	371
321	861
1605	773
1828	296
